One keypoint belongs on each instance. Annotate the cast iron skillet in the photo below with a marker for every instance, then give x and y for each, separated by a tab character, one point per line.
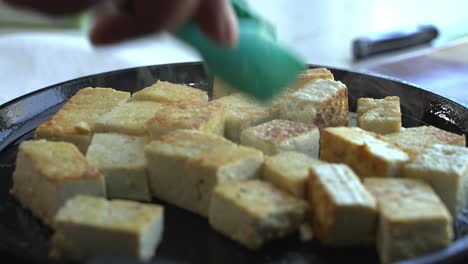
188	237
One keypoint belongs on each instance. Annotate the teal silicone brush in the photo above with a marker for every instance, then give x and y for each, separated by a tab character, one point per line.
258	66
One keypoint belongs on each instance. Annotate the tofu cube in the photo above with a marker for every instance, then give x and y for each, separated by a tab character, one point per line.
202	116
289	171
412	219
166	92
74	122
343	212
49	173
322	102
121	159
254	212
309	76
242	112
414	140
130	118
365	152
90	226
382	116
445	168
220	88
185	165
283	135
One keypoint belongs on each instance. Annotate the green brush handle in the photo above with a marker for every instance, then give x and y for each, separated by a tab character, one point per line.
259	65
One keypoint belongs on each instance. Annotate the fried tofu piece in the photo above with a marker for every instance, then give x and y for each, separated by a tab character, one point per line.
49	173
343	212
74	122
185	165
310	75
413	221
203	116
365	152
414	140
382	116
130	118
254	212
220	88
90	226
445	168
242	112
283	135
166	92
322	102
121	159
289	171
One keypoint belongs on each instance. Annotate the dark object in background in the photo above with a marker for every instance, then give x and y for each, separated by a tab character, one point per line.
391	41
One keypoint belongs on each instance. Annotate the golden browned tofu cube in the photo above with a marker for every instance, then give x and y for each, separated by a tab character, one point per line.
343	212
203	116
415	139
49	173
283	135
121	159
242	112
74	122
445	168
254	212
90	226
166	92
413	221
365	152
289	171
322	102
382	116
185	165
130	118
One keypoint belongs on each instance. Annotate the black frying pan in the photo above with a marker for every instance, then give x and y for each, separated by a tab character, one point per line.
188	237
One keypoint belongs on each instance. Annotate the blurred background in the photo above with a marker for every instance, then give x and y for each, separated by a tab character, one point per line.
37	51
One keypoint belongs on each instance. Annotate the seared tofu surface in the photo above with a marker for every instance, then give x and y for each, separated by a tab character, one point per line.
49	173
254	212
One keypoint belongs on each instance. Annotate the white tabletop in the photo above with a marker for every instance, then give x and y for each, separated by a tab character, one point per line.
321	31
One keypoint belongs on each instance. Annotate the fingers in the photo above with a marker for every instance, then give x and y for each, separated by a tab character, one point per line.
217	19
142	17
53	7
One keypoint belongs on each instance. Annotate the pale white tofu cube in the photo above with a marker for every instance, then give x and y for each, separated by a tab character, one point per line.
365	152
49	173
413	221
283	135
121	159
185	165
343	212
289	171
445	168
90	226
254	212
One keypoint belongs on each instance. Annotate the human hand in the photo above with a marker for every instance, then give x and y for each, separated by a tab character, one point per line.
130	19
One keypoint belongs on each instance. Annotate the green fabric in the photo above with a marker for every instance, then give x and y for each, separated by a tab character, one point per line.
258	66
